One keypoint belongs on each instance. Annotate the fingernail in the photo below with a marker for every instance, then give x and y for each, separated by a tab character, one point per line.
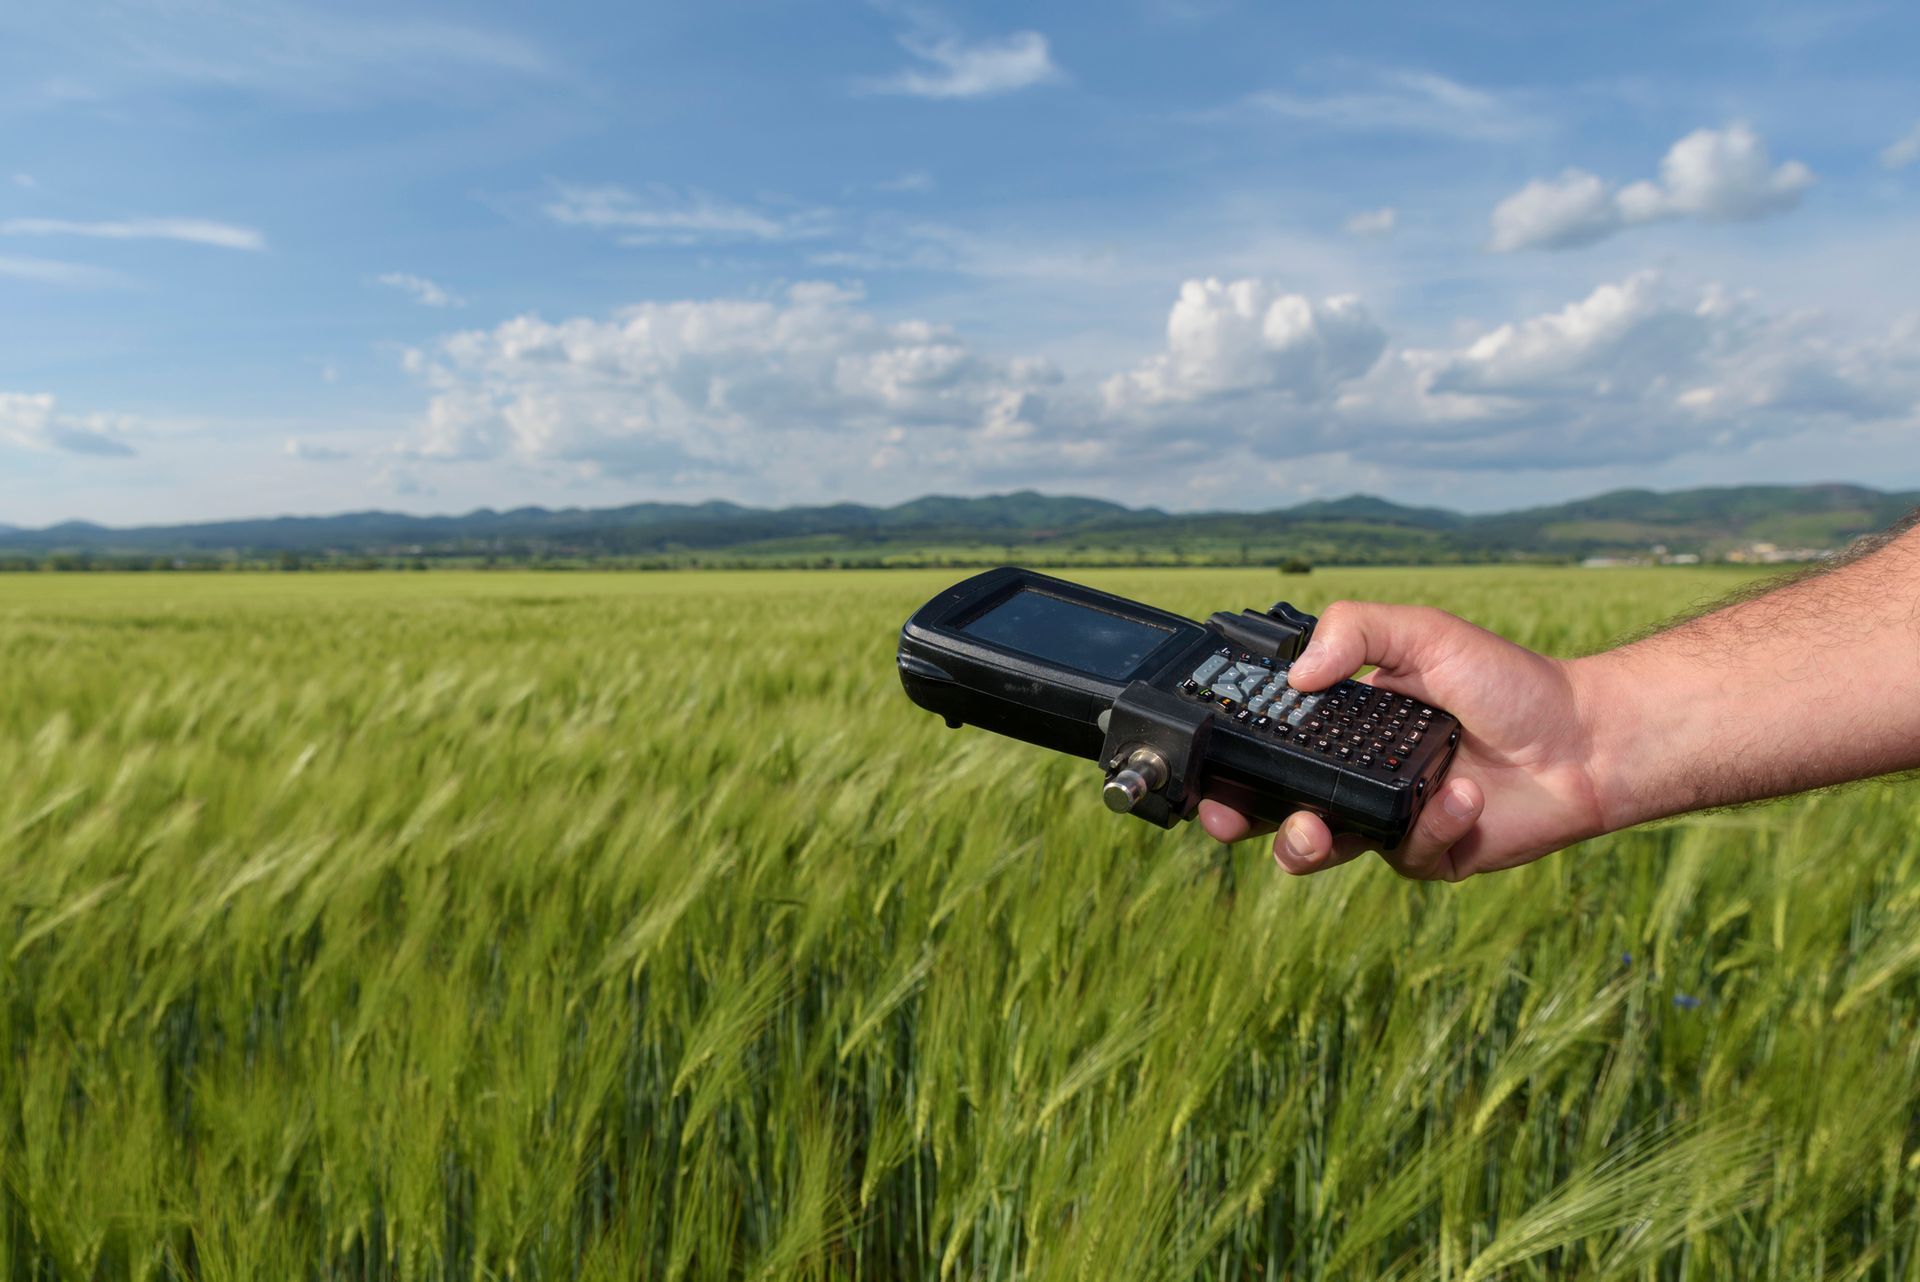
1457	803
1297	844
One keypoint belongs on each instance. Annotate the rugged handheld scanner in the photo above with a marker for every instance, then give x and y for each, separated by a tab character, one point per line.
1174	710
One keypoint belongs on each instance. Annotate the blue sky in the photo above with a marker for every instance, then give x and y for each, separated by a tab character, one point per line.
265	257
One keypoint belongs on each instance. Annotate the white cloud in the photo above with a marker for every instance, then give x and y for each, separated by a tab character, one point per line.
195	231
1716	175
1638	371
1373	222
809	395
47	271
972	69
423	291
1904	150
1247	336
34	422
25	181
1254	380
662	215
1723	175
1620	335
1576	209
312	452
808	383
1396	100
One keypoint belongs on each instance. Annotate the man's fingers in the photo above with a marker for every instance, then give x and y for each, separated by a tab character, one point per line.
1304	844
1427	853
1224	823
1397	639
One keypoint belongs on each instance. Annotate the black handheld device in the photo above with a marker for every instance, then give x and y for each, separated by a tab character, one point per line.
1174	710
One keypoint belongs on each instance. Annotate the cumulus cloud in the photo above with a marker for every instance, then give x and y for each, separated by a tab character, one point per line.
722	386
1723	175
810	394
1247	336
1637	371
34	422
423	291
1904	150
1373	222
663	215
958	68
1253	379
1625	334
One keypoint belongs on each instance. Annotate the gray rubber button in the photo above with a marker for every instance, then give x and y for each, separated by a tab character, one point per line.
1205	672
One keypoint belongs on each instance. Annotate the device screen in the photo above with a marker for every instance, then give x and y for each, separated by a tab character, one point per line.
1064	632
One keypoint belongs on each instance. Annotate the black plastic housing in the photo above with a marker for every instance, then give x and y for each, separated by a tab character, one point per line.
974	681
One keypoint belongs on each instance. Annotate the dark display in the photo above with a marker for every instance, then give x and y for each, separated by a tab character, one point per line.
1074	636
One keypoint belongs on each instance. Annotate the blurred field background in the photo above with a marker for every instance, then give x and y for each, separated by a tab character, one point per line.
575	926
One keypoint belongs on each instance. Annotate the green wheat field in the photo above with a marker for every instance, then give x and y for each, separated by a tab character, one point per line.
636	926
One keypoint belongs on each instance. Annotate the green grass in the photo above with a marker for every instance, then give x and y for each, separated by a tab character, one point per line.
584	926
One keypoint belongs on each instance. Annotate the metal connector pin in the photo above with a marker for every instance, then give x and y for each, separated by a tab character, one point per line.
1144	771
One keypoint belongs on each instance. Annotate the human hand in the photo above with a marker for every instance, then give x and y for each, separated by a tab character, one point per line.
1522	782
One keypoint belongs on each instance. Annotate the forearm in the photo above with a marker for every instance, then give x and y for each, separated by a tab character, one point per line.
1814	683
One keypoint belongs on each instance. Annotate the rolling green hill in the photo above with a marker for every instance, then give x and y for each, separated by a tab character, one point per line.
1358	529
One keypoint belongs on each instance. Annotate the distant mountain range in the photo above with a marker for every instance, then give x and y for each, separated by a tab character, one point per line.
1359	528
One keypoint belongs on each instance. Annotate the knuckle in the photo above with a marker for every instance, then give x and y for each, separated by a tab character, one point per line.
1341	615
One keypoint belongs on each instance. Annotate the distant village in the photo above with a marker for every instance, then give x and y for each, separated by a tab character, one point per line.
1751	554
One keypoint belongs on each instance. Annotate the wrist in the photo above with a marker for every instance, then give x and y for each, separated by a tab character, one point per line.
1609	714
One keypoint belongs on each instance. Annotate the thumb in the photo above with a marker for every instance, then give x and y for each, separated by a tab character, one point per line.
1398	639
1427	853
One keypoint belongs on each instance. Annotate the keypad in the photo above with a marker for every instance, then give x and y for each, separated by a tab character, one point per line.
1356	725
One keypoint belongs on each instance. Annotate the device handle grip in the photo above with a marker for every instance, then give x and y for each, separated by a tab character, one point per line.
1281	633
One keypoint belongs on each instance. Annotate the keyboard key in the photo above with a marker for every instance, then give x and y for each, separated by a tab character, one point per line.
1206	672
